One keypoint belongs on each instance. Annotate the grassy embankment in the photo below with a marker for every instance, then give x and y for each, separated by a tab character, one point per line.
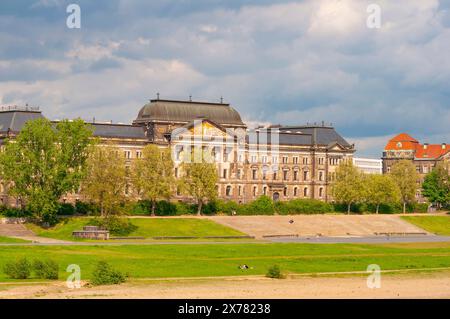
147	227
439	225
4	239
162	261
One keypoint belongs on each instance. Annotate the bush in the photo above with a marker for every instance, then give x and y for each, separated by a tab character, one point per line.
83	208
116	225
165	208
263	205
303	206
227	207
104	274
274	272
184	209
14	212
20	269
66	209
47	269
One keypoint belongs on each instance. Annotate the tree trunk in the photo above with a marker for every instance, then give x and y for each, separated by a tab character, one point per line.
199	208
404	207
153	207
378	208
349	207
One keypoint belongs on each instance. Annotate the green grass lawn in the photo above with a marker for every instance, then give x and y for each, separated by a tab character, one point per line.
147	227
155	261
8	240
439	225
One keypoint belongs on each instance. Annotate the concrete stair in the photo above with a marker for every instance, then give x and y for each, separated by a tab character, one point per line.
15	230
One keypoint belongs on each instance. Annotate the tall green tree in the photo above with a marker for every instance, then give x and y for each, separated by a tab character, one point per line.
436	186
106	179
152	175
46	161
348	186
405	176
381	189
200	178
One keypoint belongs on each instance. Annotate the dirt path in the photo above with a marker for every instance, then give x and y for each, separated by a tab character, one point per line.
423	285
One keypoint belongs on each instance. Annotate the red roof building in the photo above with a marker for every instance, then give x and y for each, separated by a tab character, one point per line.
424	156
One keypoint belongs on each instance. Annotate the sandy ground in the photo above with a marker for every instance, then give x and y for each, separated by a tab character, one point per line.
416	285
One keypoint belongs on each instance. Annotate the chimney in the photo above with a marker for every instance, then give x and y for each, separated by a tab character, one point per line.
425	146
444	146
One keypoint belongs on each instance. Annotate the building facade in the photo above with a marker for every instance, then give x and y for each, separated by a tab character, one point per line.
368	165
283	162
423	156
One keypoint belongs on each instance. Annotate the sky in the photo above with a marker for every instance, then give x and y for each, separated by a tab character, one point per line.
278	62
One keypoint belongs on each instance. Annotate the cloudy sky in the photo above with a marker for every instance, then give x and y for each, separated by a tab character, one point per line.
288	62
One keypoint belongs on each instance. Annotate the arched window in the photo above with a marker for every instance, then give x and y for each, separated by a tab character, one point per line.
285	191
321	192
228	190
305	192
295	191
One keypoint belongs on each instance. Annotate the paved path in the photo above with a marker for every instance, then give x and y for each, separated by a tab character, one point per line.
21	232
364	240
311	240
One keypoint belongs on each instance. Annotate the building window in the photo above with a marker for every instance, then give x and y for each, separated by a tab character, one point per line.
305	161
254	174
253	158
127	154
264	159
239	173
321	160
305	192
295	191
285	192
295	175
295	160
254	191
305	175
239	190
285	175
265	190
321	192
275	159
228	190
285	159
225	173
274	176
320	176
138	154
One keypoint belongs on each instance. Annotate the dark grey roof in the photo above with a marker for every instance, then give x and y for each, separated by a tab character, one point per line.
15	120
321	135
278	137
118	130
187	111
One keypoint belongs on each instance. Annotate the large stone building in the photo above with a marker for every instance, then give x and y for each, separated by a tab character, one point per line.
424	156
283	162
